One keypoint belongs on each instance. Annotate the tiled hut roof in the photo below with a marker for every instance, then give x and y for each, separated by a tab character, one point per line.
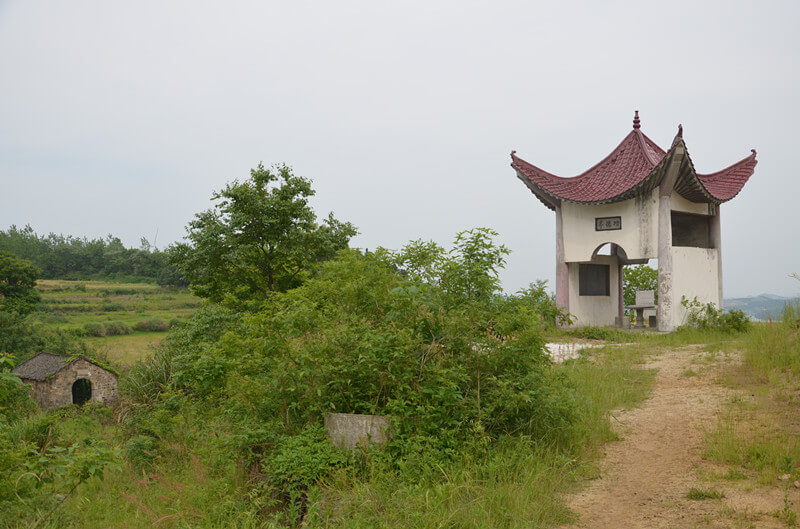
635	166
42	366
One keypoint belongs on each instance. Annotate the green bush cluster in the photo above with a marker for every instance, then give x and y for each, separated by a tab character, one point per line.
151	325
422	336
109	328
141	450
708	316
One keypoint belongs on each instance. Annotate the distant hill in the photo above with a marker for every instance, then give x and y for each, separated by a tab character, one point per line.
760	307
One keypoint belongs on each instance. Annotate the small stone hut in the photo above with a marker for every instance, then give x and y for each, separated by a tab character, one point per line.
60	380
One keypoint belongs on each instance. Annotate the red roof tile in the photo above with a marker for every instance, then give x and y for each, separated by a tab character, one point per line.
726	184
633	167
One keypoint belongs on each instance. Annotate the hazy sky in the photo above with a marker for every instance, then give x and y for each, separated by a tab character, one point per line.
122	117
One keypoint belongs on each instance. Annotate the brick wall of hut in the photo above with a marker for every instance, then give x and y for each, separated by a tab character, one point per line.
56	391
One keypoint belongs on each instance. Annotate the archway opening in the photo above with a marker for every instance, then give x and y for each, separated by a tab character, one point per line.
81	391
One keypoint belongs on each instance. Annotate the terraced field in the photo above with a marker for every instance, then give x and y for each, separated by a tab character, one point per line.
121	320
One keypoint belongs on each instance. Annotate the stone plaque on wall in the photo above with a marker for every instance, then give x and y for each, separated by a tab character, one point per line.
607	223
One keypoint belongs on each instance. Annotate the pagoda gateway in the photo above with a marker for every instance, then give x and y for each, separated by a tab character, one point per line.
645	203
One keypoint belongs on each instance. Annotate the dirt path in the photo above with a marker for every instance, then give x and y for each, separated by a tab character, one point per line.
645	477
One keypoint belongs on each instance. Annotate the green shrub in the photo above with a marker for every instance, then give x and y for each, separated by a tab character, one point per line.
146	380
125	291
141	451
117	328
15	398
151	325
543	304
36	430
734	321
708	316
94	329
53	317
301	460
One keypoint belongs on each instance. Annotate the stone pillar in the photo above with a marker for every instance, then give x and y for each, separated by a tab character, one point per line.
620	290
562	271
664	312
715	233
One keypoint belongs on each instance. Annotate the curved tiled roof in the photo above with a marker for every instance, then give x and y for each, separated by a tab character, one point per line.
635	166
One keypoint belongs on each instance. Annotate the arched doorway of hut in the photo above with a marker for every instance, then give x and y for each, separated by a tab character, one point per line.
81	391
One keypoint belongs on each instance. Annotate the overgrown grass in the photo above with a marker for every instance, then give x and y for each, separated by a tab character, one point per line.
761	433
772	350
125	350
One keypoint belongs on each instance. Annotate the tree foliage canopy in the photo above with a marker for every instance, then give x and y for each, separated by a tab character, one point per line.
17	284
469	271
67	257
260	237
639	277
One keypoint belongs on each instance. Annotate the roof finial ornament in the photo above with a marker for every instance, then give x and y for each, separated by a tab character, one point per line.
636	124
680	131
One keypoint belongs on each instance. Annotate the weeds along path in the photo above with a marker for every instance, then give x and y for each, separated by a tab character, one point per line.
646	476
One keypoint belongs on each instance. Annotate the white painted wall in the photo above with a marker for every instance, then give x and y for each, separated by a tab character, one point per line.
638	236
678	203
695	273
594	310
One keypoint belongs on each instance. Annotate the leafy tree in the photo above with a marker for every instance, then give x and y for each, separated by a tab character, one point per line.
472	271
468	272
543	304
639	277
17	285
261	237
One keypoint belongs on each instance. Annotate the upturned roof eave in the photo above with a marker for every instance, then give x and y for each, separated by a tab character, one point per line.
692	185
548	199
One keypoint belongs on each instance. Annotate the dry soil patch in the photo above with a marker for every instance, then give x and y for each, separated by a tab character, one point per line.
646	475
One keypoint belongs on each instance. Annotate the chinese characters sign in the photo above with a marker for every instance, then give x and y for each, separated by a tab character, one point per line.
607	223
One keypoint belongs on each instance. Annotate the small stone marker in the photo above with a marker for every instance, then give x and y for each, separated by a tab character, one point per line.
349	430
645	298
